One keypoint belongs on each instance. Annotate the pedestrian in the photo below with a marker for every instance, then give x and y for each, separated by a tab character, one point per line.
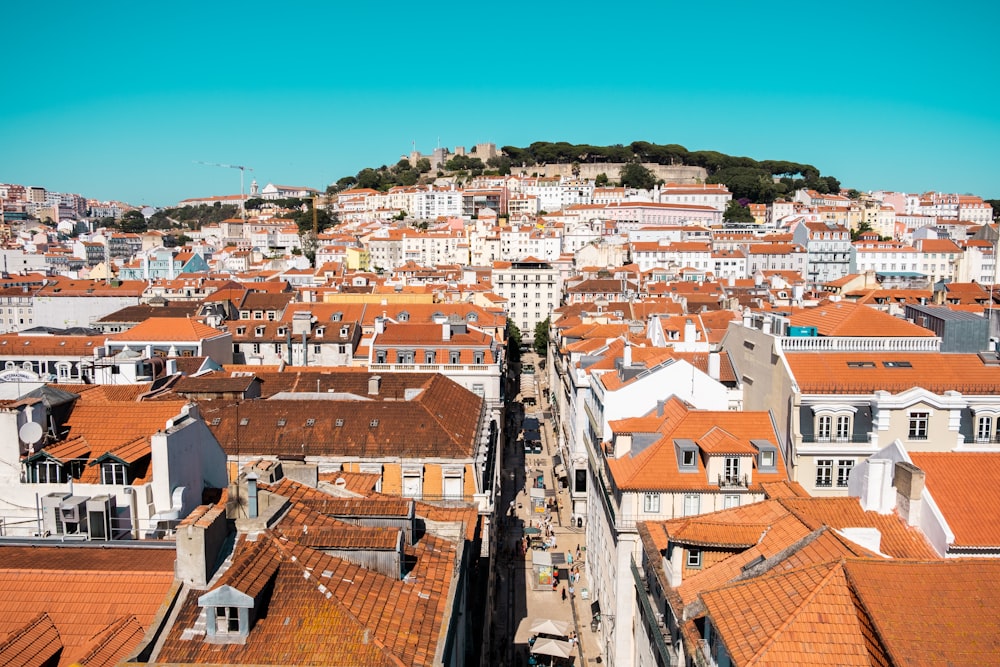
571	589
564	593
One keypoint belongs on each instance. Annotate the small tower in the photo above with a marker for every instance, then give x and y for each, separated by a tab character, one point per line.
253	188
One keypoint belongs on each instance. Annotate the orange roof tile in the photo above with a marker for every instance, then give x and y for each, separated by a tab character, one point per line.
173	329
866	372
973	516
844	318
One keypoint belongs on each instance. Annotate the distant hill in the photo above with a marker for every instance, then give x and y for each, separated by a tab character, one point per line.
758	181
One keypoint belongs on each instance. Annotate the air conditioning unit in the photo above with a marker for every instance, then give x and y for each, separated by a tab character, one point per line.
73	514
101	512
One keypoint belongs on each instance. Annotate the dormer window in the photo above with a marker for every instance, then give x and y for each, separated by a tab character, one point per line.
767	456
344	331
258	331
282	331
687	455
403	316
114	472
320	331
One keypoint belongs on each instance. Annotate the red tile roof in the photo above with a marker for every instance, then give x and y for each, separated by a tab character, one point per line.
867	372
844	318
84	591
973	516
172	329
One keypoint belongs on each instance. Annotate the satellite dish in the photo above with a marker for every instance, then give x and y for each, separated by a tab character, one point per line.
31	433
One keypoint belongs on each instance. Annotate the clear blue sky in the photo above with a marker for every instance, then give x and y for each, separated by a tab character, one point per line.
118	100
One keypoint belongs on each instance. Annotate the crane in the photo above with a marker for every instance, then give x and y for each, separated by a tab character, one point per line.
242	169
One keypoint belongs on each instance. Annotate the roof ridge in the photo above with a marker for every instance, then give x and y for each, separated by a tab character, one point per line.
789	618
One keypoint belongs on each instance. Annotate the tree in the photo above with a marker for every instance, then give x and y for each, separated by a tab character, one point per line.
736	212
423	165
513	341
601	180
133	222
635	175
542	338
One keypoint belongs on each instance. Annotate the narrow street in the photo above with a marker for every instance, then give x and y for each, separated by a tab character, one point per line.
537	510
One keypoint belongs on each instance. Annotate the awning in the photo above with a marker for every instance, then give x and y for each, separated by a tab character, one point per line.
548	626
554	647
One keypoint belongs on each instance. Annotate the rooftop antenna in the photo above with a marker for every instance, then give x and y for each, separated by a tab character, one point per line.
243	196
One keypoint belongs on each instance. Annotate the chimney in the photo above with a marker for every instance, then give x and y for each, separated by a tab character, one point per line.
714	366
171	367
374	385
379	325
659	406
252	495
909	483
689	331
627	355
446	331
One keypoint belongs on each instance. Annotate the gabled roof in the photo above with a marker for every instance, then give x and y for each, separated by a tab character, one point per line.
801	617
93	597
168	329
656	467
844	318
972	516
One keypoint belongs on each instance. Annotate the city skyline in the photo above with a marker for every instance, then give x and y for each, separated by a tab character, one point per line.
874	96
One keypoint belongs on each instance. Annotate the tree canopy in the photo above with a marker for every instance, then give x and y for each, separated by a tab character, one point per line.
542	338
634	175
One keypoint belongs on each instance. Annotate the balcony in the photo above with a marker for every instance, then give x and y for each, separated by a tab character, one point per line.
862	438
734	481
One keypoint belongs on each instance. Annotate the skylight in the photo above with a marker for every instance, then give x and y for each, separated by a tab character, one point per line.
861	364
897	364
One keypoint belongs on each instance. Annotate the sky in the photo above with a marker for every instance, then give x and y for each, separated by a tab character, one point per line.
117	100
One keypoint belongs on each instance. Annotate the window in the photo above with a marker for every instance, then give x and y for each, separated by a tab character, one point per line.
731	500
317	349
113	472
692	504
732	469
984	429
454	357
693	558
918	425
380	357
256	348
823	428
227	620
844	467
429	357
479	389
767	459
651	503
477	357
843	428
824	472
47	472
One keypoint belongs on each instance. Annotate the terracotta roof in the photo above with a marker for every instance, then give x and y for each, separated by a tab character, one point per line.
84	591
898	540
34	645
114	643
802	617
844	318
971	514
324	610
656	467
437	418
167	329
866	372
108	429
931	613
